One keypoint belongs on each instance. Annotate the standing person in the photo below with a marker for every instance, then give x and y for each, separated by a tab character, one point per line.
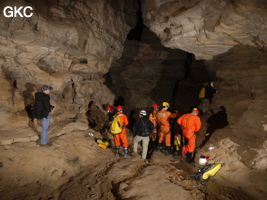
110	113
190	123
163	117
153	119
142	129
121	137
205	97
42	109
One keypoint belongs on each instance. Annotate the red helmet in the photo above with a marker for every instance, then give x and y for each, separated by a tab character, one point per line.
195	110
110	108
119	108
155	105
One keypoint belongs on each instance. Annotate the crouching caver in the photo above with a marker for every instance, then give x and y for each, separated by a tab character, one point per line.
142	129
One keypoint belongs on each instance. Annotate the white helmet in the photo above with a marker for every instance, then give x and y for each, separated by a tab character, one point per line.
212	84
142	112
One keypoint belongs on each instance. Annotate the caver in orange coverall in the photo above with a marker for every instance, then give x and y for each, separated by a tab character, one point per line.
163	118
118	138
153	119
190	124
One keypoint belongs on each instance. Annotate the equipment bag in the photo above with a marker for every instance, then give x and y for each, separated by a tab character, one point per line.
205	172
184	150
102	143
177	142
115	127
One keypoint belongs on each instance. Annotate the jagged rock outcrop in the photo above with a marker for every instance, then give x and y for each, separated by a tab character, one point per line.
207	28
66	44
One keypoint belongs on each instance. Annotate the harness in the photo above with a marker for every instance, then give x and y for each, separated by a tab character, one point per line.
165	125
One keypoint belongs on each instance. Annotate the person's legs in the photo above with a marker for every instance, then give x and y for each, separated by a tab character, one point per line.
168	143
45	126
136	140
117	140
192	143
191	149
161	137
205	106
154	135
123	137
168	139
145	141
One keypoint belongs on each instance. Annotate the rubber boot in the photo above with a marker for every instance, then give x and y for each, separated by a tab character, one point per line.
159	147
126	153
163	147
189	157
179	152
155	145
169	151
117	148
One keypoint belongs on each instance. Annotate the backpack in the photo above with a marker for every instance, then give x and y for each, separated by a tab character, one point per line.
202	93
144	130
205	172
115	127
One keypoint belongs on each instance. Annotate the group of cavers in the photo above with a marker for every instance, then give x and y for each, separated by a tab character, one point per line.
154	130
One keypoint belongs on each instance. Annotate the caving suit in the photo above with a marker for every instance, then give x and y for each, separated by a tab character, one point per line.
153	119
122	137
190	125
163	118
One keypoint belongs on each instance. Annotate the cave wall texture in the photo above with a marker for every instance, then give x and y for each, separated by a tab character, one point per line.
66	44
71	45
231	37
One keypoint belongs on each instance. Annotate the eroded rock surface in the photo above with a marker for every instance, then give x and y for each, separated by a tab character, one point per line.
70	45
66	44
207	28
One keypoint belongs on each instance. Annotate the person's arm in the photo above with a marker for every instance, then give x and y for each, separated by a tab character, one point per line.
48	107
180	120
173	115
125	120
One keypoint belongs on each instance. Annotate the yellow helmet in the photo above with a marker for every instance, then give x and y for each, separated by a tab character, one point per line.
165	104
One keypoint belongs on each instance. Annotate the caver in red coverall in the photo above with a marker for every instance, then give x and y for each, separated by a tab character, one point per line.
190	123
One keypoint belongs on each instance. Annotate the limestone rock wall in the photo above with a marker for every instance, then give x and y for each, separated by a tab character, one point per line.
66	44
231	37
207	28
150	73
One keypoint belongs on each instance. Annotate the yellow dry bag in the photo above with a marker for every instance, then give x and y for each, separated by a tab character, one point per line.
115	127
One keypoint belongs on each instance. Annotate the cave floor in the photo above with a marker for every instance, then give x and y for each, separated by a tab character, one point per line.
74	167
